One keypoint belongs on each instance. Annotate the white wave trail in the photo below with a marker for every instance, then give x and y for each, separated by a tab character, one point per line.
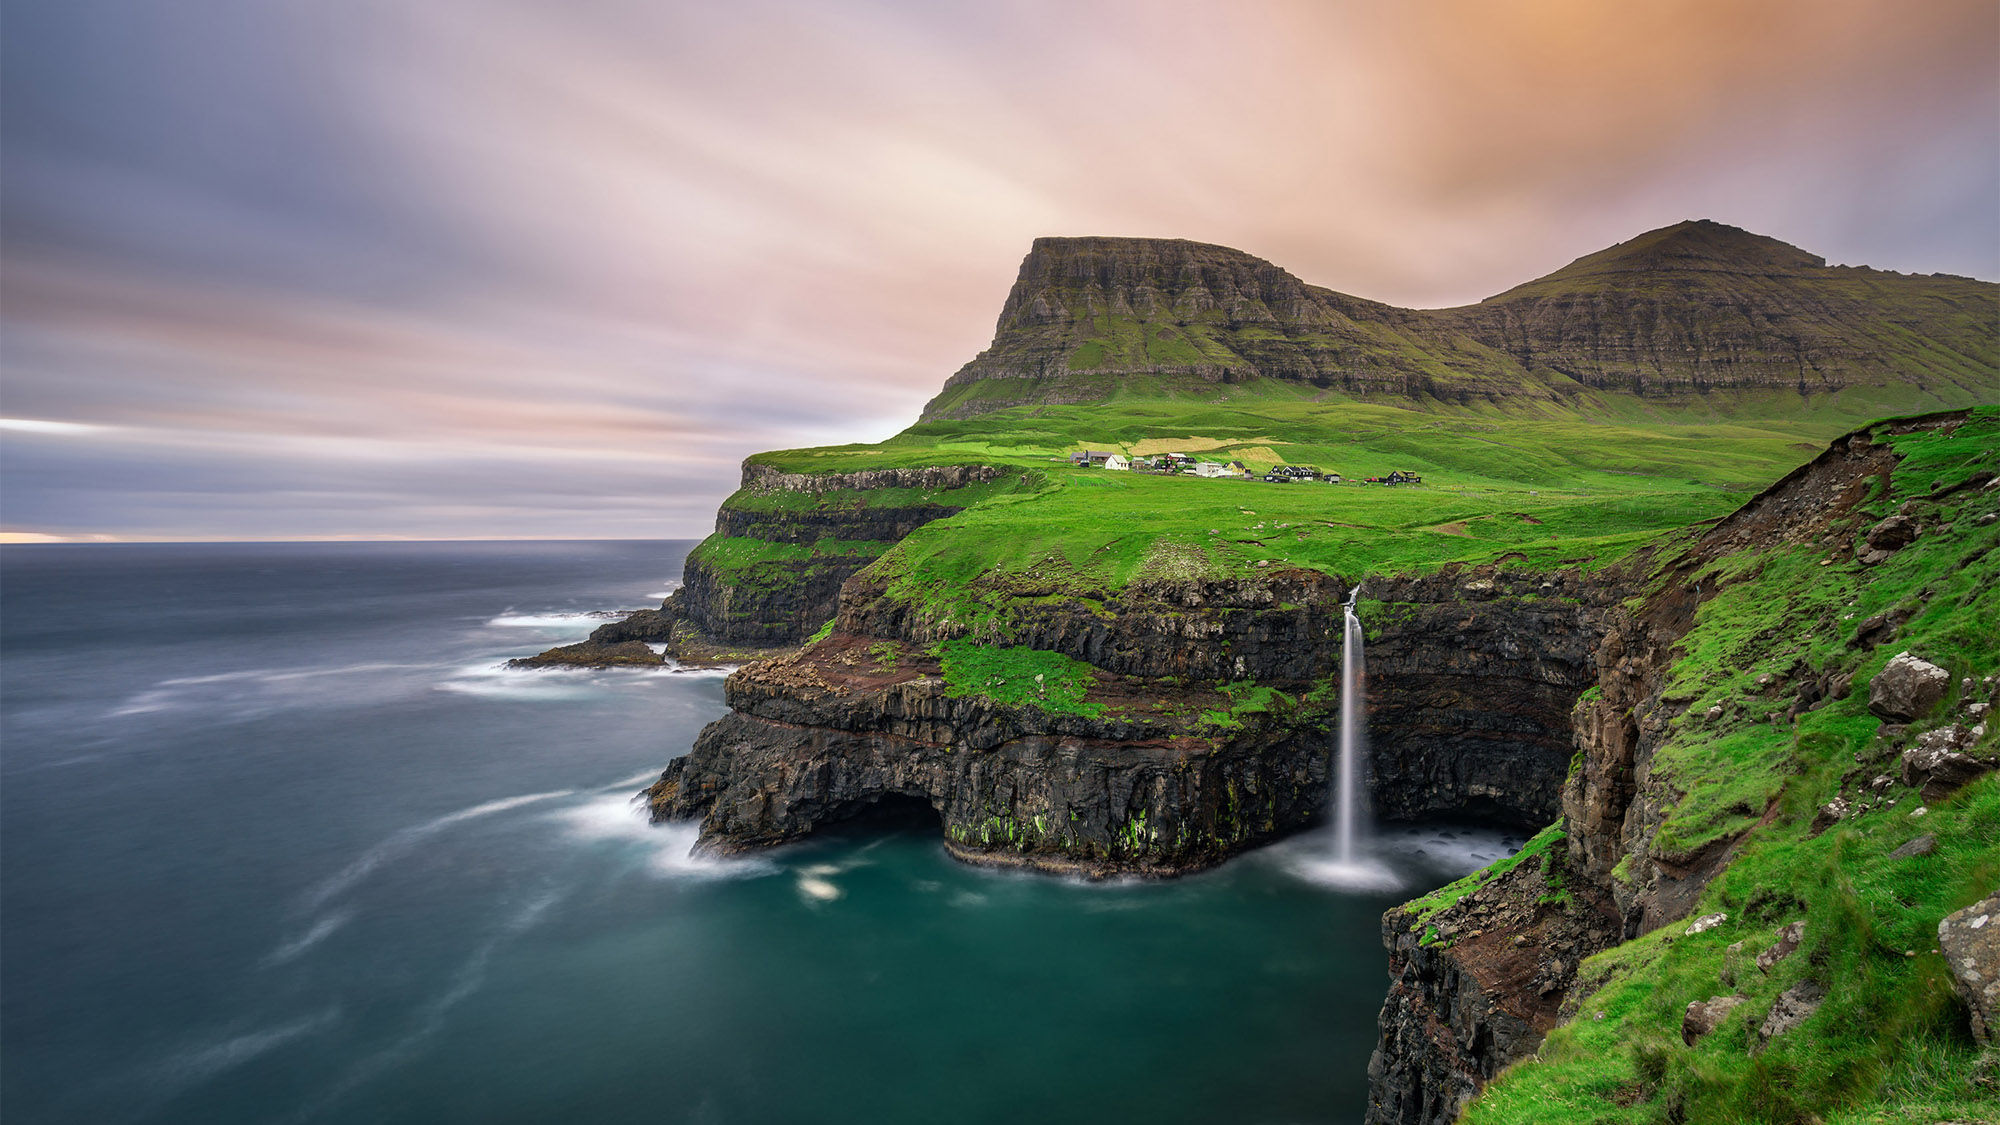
180	691
201	1063
626	784
320	931
401	841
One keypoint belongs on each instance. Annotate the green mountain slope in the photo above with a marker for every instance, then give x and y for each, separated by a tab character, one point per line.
1694	319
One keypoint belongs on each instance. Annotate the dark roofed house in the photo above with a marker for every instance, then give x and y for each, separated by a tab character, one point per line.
1090	457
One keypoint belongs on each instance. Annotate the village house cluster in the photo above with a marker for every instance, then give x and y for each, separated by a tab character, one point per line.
1183	464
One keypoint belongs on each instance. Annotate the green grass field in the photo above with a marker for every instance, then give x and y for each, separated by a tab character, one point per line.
1538	493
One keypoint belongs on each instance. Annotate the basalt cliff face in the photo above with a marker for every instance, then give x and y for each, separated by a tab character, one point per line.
1696	312
1473	678
1478	983
783	546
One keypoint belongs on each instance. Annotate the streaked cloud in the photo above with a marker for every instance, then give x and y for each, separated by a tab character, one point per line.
513	268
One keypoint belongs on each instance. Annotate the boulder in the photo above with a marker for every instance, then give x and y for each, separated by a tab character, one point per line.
1907	688
1795	1006
1704	1016
1970	942
1893	534
1788	943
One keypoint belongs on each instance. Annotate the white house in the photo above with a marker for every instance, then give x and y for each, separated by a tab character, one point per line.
1117	462
1209	469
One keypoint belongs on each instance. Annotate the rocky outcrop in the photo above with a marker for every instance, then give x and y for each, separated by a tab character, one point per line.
592	654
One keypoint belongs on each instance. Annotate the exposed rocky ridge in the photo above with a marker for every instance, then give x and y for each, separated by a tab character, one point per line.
1461	1010
1691	310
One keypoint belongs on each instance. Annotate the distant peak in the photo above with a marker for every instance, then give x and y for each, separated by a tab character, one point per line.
1698	245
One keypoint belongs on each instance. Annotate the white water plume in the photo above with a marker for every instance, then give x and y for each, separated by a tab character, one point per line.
669	847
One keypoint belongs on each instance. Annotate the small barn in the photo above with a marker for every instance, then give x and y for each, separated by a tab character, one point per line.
1117	463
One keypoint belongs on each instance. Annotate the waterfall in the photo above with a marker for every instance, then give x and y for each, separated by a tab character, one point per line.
1353	738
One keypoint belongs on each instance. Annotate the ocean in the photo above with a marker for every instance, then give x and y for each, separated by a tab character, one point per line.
281	841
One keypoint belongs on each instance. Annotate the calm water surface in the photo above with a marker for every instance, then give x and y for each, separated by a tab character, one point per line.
280	841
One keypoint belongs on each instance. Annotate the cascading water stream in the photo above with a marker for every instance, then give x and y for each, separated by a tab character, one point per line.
1353	739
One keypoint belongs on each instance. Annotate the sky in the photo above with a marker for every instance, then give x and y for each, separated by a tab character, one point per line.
276	269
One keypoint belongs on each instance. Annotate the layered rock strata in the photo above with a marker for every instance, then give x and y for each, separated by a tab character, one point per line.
1472	678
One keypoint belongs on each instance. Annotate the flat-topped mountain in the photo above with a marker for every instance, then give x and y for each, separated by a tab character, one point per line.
1696	315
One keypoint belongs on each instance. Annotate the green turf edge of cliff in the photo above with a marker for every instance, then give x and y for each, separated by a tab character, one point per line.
1890	1044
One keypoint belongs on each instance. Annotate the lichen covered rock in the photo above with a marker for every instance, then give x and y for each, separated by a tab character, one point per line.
1907	688
1970	942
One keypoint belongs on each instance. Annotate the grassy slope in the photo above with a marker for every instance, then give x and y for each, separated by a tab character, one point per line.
1540	492
1890	1044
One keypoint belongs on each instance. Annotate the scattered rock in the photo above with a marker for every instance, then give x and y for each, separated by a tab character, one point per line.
1874	630
1936	765
1970	942
1704	1016
1831	813
1907	688
1766	680
1922	845
1794	1007
1788	943
1706	922
1715	712
1893	534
